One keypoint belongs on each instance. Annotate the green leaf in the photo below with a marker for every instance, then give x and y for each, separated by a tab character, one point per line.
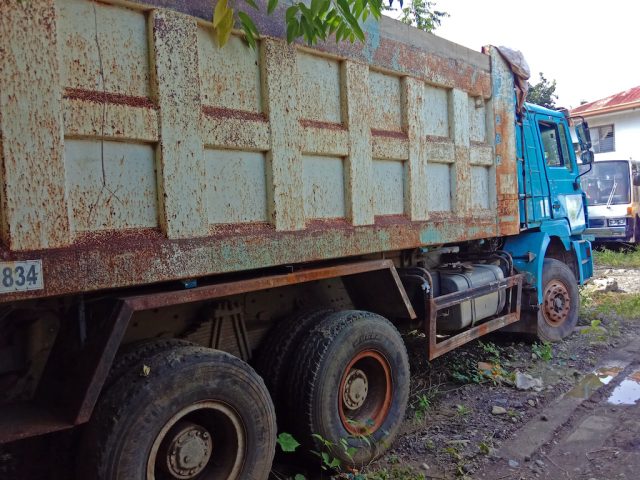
287	442
271	6
252	3
224	28
292	30
291	13
219	12
299	476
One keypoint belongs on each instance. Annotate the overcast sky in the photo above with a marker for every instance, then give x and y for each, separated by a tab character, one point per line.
591	48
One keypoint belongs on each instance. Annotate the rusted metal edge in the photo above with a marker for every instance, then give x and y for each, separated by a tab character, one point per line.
221	112
209	292
438	348
108	97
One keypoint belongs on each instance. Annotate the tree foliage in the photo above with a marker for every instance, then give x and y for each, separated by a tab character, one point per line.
422	15
543	93
317	20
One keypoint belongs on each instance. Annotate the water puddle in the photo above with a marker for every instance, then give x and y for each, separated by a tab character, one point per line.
628	392
594	380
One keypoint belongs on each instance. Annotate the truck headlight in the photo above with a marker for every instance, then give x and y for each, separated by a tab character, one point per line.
617	222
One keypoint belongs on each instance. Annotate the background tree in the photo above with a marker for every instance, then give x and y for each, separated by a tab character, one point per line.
543	93
317	20
422	15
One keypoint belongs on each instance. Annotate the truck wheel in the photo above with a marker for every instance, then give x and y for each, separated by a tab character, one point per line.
133	355
560	301
350	384
274	358
192	413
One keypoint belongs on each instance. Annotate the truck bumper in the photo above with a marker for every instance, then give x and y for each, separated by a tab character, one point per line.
611	234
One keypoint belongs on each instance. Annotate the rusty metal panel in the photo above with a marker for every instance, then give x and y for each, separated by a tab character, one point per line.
176	88
435	111
439	187
33	200
284	168
502	131
389	179
103	48
229	76
414	98
236	188
359	191
319	88
386	114
292	142
323	187
111	185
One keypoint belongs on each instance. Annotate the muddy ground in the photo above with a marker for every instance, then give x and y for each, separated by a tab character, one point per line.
459	421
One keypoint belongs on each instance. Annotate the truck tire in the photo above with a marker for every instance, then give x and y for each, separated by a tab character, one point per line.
350	383
133	355
274	358
193	412
558	313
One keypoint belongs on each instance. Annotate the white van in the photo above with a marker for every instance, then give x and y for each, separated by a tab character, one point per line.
613	196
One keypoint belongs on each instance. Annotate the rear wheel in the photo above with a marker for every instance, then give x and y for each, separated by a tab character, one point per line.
558	314
192	412
350	385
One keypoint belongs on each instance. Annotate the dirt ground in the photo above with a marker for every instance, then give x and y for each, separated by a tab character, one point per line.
461	424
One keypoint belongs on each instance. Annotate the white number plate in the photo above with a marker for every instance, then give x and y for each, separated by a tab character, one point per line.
21	276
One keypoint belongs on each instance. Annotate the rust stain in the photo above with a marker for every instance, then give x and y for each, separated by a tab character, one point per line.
325	125
221	113
389	134
107	97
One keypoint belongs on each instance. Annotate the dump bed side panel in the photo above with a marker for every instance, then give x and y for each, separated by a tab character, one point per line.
134	150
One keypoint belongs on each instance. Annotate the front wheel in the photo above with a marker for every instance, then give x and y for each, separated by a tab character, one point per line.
558	313
184	413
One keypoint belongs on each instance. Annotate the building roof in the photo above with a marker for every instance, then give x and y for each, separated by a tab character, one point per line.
627	100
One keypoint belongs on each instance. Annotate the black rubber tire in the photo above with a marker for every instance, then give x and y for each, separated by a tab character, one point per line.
556	271
276	353
117	442
322	357
133	355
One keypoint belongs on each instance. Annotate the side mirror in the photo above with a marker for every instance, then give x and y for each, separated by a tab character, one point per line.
586	157
583	134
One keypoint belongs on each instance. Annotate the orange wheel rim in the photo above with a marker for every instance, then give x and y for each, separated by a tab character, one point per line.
364	398
556	303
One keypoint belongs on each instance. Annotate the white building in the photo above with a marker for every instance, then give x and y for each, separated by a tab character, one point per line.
615	125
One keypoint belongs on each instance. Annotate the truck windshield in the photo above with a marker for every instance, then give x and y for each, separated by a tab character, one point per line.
607	183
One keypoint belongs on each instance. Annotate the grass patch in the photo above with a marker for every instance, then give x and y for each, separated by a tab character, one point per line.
621	259
624	305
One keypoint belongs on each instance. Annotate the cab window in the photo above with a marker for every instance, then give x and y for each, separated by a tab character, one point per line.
554	143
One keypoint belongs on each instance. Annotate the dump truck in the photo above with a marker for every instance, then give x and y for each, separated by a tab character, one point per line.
202	247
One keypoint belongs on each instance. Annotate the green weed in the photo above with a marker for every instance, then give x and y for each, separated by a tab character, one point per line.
623	259
543	351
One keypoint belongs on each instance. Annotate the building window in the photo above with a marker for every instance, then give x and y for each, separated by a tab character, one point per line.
603	139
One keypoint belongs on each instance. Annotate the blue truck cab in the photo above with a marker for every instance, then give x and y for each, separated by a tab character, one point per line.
550	249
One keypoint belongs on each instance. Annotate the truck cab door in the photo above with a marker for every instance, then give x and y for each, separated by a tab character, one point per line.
561	170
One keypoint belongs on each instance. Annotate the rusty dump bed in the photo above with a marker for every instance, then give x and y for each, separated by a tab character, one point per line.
134	150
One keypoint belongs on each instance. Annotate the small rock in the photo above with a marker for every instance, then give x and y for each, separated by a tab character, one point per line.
527	458
513	464
606	285
544	418
497	410
531	402
524	381
424	466
540	463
